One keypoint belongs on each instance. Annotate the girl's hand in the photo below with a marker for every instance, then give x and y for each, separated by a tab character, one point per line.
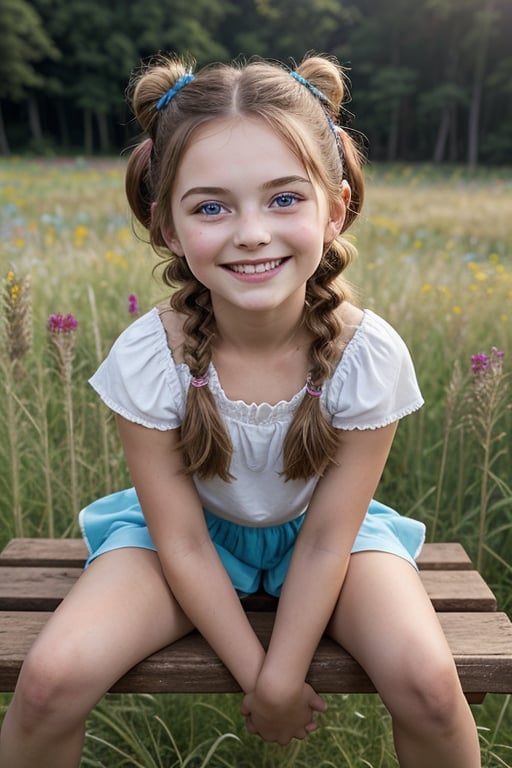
291	718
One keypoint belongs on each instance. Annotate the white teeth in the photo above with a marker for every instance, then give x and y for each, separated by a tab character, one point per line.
251	269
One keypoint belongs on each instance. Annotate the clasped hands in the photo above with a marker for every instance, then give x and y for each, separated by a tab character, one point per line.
281	719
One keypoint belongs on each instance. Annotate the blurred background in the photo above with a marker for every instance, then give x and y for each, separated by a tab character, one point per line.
432	79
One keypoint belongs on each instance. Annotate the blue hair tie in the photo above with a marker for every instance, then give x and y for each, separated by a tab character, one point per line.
325	102
315	91
171	93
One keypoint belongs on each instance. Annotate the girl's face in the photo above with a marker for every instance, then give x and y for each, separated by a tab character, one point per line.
247	217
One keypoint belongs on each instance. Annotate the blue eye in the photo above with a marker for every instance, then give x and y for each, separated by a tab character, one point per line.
285	199
210	209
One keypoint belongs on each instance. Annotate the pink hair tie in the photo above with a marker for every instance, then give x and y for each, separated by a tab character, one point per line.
311	389
200	381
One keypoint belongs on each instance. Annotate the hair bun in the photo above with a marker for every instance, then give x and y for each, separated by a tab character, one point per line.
149	84
327	76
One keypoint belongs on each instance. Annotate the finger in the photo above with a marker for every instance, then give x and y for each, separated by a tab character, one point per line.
250	726
310	727
244	710
318	704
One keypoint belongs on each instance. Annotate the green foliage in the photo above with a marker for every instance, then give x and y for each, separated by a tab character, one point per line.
431	77
23	42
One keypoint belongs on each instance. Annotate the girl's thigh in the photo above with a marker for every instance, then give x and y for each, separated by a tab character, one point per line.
386	621
119	611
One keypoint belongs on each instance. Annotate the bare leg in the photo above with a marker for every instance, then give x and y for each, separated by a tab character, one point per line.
384	619
120	611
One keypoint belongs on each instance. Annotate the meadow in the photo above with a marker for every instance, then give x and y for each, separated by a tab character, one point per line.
435	259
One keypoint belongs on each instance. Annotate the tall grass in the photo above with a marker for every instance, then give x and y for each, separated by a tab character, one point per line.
435	260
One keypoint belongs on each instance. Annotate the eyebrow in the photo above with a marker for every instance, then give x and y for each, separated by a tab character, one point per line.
282	181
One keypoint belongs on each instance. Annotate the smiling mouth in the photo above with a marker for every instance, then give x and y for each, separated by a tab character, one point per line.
253	269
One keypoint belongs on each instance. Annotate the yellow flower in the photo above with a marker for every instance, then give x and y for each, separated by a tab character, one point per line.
10	277
426	287
80	234
116	258
124	235
481	276
456	310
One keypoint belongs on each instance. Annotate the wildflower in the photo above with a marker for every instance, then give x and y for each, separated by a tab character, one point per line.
493	363
487	401
133	304
62	333
62	323
80	234
17	312
62	330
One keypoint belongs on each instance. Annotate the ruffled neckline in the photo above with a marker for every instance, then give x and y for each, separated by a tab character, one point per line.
256	413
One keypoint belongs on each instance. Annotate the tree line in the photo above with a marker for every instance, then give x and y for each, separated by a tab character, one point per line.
431	79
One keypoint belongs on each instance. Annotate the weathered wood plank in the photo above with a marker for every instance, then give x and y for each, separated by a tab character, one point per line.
444	556
458	591
71	553
63	553
480	642
30	588
26	588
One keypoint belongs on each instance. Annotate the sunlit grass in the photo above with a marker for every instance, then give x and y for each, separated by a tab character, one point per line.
435	260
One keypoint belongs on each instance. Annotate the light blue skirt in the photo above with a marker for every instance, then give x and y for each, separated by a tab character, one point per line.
253	557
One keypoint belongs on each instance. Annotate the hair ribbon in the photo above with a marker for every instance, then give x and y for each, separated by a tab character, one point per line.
171	93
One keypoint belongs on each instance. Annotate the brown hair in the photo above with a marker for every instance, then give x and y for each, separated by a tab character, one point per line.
309	126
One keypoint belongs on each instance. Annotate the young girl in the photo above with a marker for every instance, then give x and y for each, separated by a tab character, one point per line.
256	410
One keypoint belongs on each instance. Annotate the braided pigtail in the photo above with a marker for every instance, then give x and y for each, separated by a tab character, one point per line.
311	441
205	443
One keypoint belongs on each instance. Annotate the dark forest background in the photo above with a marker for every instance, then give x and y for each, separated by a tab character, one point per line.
431	79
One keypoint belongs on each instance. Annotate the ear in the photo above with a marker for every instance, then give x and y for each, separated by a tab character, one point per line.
170	238
337	213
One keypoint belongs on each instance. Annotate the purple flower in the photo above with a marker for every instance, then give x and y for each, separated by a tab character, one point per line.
479	363
133	304
62	323
492	363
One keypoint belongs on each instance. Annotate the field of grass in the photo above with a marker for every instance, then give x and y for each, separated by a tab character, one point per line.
435	259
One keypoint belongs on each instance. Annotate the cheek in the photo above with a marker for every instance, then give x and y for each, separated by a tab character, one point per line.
309	236
199	246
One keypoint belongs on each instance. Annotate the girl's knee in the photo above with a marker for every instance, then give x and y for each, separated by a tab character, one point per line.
50	691
427	696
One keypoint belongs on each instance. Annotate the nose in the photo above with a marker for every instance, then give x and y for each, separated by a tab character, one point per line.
251	231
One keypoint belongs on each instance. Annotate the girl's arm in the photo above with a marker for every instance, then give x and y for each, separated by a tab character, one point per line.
315	577
194	571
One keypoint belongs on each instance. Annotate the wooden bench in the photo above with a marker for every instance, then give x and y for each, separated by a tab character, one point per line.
35	574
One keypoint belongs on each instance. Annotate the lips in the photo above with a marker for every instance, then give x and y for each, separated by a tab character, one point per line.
253	269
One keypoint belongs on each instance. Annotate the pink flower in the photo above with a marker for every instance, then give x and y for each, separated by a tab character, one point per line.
133	304
492	363
62	323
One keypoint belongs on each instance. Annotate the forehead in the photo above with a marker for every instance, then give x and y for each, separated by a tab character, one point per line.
237	144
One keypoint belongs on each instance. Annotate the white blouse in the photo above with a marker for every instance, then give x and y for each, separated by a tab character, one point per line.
373	385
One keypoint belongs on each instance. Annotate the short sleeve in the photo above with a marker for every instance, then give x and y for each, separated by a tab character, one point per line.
139	378
375	382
